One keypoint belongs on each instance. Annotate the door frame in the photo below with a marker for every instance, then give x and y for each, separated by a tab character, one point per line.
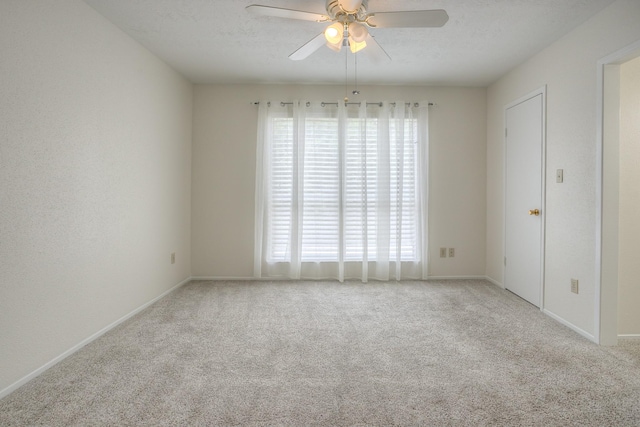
540	91
606	275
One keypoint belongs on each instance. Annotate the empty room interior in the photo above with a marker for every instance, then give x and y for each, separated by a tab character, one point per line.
341	212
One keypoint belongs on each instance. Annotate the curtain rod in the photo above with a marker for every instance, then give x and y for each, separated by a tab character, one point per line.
408	104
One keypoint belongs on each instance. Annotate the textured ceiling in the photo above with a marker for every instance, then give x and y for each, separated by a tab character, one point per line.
217	41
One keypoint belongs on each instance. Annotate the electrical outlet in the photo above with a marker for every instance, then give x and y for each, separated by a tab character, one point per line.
443	252
173	258
452	252
574	286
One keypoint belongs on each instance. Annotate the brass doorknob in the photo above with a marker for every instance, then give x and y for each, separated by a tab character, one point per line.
535	212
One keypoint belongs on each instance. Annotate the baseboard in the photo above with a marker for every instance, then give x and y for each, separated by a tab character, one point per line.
629	336
495	282
457	278
232	278
570	325
272	279
22	381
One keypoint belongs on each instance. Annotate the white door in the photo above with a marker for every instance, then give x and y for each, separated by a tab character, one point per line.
523	198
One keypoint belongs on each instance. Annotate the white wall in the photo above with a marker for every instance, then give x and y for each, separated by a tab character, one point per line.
629	200
95	155
568	68
224	172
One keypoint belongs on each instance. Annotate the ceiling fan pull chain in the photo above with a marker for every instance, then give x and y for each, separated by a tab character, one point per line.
355	74
346	76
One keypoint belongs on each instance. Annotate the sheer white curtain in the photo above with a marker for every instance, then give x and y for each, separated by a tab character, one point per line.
341	191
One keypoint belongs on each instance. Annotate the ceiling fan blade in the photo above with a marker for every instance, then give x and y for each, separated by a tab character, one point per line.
374	51
409	19
309	47
350	5
286	13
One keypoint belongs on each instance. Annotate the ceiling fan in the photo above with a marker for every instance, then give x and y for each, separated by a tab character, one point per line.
349	22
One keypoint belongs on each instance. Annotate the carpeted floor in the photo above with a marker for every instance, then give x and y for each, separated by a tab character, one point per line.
452	353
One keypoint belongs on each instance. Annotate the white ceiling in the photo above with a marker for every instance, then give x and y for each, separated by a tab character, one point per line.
218	41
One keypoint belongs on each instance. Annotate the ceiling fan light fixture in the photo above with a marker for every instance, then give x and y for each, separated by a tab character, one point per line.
356	46
334	33
358	32
334	46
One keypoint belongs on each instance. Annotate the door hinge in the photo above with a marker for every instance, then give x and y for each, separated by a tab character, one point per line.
505	261
505	132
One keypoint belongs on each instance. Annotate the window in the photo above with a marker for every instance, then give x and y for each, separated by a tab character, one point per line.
341	184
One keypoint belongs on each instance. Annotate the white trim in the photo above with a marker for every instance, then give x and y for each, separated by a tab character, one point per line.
599	205
543	172
543	175
629	336
456	278
569	325
232	278
495	282
84	342
617	57
286	279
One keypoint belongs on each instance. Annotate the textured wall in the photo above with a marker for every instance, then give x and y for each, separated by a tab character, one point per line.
95	153
568	68
629	225
224	172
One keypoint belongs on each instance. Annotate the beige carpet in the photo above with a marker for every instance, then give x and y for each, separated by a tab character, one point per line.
452	353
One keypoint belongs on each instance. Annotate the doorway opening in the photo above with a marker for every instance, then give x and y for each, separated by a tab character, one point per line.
618	235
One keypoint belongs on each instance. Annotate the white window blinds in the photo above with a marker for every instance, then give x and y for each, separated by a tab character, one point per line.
341	189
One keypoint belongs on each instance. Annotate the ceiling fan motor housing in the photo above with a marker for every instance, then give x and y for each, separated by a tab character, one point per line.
337	12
